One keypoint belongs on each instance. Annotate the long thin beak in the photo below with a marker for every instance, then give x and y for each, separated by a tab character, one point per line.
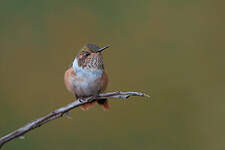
101	49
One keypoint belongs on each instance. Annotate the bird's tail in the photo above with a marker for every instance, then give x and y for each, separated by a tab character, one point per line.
103	102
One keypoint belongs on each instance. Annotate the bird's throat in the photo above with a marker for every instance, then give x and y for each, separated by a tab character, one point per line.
92	73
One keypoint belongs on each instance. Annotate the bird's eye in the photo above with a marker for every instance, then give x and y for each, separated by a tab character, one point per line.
86	54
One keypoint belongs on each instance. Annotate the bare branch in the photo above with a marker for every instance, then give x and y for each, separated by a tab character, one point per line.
63	110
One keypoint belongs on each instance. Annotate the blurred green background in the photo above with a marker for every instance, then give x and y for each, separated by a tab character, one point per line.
173	50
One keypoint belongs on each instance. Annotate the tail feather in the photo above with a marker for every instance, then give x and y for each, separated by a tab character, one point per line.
103	102
88	105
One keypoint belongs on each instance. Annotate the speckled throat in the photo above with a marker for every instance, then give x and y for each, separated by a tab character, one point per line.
93	62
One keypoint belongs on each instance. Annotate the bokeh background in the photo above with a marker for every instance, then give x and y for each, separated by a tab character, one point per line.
173	50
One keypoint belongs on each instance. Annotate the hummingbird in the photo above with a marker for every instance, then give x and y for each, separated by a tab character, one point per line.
86	76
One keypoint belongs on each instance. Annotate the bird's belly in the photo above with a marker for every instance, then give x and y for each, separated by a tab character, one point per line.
86	87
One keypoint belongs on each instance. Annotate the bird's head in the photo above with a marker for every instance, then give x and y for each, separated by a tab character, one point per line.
90	57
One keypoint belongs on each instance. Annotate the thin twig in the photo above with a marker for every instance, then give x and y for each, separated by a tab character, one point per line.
63	110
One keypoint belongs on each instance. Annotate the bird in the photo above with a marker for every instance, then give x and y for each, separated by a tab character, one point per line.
86	76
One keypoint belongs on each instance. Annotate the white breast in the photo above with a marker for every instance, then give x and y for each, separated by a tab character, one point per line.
86	85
